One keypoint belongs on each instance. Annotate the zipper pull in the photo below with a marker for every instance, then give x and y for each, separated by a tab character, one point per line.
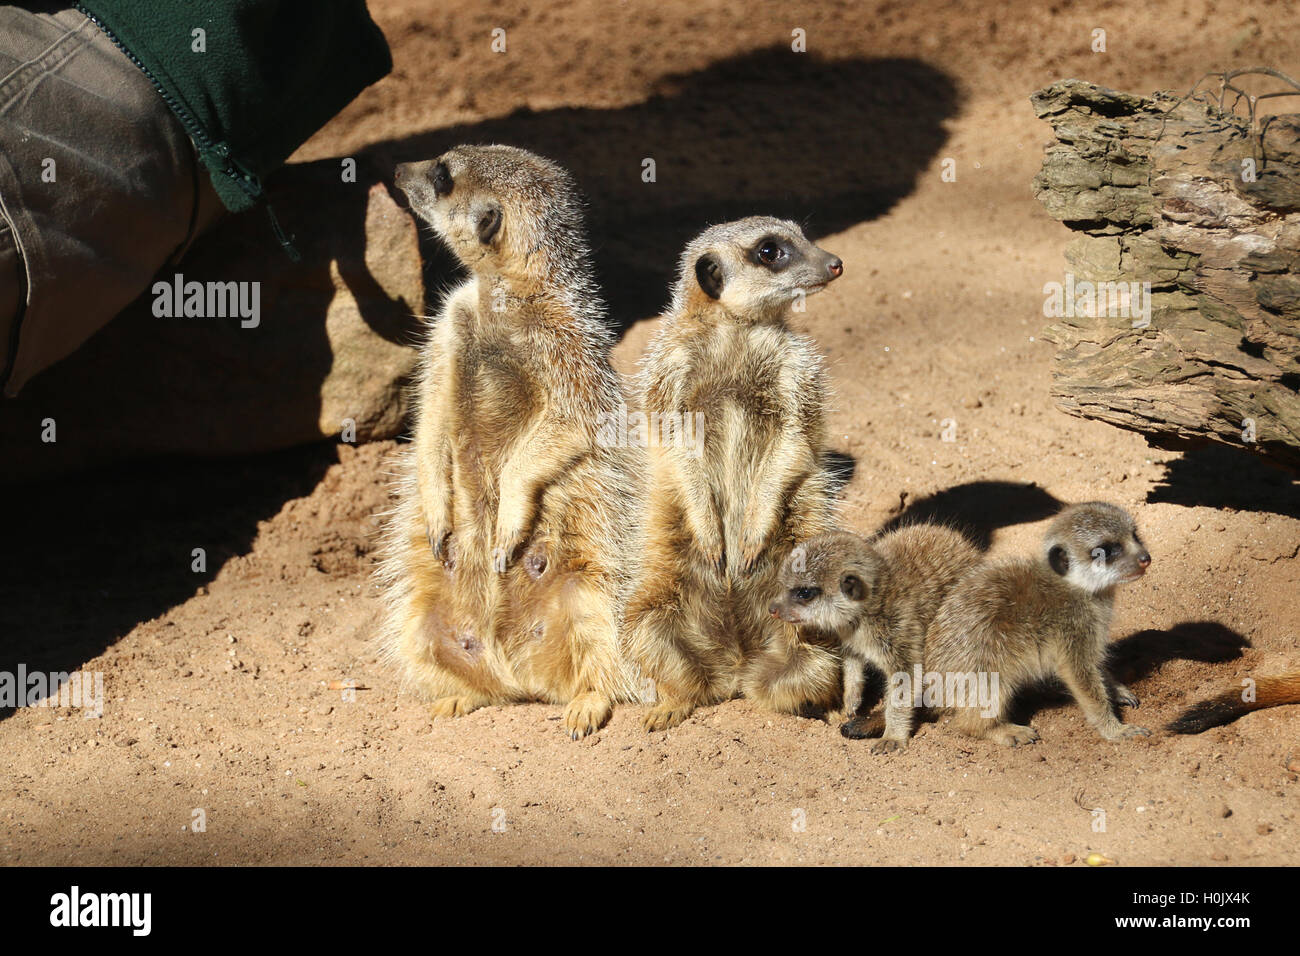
286	242
253	187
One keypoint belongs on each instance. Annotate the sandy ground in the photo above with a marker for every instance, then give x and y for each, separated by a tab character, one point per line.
216	681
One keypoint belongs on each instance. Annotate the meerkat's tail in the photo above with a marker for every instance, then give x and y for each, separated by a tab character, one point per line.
1228	706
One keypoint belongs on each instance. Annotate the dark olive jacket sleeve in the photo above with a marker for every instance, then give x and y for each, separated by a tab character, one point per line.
250	80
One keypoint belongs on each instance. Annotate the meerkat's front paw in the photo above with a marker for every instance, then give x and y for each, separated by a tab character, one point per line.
1014	735
1124	731
586	714
666	715
751	549
439	536
513	529
1125	697
506	546
454	706
888	745
715	555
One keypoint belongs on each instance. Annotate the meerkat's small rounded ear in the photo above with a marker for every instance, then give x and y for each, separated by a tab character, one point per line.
489	223
1058	559
851	587
708	273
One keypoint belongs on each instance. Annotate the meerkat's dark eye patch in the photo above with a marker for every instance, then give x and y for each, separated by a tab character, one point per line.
772	252
441	180
489	224
1110	550
804	595
851	587
708	273
1058	559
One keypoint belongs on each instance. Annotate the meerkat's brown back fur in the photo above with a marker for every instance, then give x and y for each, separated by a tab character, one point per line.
510	551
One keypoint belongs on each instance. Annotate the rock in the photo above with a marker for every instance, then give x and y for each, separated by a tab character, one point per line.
330	344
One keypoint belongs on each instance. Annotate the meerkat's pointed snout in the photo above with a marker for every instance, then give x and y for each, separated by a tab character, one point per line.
417	179
835	268
404	175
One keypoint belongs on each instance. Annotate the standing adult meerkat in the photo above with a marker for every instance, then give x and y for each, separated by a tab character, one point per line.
1030	620
878	598
509	556
728	499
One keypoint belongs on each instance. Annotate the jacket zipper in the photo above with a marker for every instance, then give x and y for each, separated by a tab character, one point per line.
244	178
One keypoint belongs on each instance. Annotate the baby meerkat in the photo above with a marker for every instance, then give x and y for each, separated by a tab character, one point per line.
1031	620
735	403
509	556
878	598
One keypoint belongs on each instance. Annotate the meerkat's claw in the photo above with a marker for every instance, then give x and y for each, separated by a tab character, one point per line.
585	714
507	547
1014	735
751	550
888	745
666	716
716	557
1125	697
439	543
445	707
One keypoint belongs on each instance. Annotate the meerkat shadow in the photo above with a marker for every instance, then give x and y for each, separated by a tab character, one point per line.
840	468
979	508
828	143
1218	476
1138	655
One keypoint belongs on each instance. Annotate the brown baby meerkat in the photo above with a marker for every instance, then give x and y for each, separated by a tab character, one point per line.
1029	620
878	598
734	401
510	552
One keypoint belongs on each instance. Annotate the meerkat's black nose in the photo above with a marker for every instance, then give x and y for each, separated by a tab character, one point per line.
773	609
1144	559
835	267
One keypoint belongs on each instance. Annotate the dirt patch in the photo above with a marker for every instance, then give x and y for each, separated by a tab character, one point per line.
217	679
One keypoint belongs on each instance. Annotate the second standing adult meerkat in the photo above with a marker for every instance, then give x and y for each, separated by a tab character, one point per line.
725	502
